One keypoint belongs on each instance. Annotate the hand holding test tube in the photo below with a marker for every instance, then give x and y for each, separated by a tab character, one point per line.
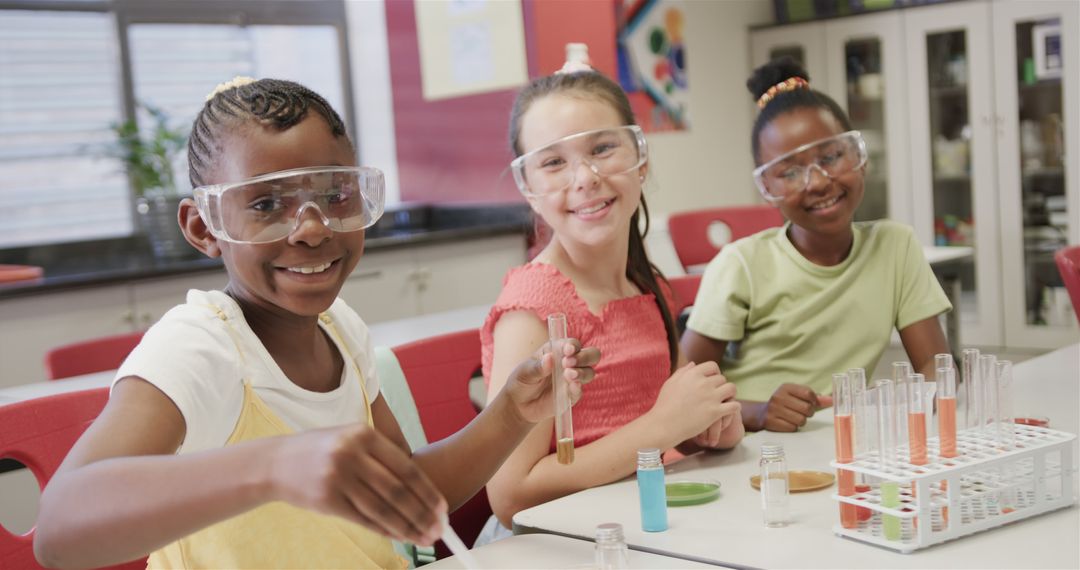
564	421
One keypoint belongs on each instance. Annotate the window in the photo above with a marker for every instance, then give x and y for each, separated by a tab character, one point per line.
69	71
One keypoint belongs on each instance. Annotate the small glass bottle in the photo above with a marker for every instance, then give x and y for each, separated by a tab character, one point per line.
611	551
774	485
650	478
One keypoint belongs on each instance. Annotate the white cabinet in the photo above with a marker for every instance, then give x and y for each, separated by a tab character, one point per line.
978	148
1038	139
407	282
31	326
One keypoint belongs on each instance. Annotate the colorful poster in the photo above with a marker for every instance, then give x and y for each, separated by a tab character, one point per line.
652	62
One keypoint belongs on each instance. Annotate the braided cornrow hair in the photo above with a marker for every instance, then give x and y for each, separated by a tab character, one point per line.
775	72
639	269
270	103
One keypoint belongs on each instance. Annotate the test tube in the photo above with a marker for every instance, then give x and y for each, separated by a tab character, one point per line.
901	378
946	401
916	417
844	431
564	421
865	430
1006	428
989	384
1004	402
890	490
943	360
969	362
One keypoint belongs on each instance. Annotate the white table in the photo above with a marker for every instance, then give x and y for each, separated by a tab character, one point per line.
549	551
729	530
390	333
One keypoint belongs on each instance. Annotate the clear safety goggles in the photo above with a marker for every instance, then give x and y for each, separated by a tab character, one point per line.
269	207
554	168
790	173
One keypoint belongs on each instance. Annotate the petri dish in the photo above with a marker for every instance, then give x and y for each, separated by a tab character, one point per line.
685	493
801	481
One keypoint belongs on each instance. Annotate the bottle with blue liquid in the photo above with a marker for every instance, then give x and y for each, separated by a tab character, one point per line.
650	477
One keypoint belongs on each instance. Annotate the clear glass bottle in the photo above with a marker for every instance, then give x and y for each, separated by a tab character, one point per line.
611	551
774	485
653	494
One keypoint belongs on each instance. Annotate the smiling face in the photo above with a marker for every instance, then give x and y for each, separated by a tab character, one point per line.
304	272
593	211
826	206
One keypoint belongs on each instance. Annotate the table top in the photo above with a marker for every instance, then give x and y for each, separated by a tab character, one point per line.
730	530
549	551
390	333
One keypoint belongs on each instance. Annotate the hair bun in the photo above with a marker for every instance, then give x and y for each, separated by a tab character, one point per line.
774	72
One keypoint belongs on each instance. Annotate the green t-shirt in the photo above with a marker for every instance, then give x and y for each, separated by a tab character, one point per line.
799	322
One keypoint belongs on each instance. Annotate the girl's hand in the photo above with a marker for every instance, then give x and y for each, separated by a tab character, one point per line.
713	436
358	474
529	385
790	406
694	398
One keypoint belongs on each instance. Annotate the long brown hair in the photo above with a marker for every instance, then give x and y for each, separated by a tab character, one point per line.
639	270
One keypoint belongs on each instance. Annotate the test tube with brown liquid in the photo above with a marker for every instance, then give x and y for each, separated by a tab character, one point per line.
564	422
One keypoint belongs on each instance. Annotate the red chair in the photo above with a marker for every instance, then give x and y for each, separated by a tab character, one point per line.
684	289
692	233
438	370
97	355
1068	263
38	433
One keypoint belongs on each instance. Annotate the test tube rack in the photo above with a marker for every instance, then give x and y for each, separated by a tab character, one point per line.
985	487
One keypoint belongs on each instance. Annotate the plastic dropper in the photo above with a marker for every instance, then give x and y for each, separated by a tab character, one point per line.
564	421
457	547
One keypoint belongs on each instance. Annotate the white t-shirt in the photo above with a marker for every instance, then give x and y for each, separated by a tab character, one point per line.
191	357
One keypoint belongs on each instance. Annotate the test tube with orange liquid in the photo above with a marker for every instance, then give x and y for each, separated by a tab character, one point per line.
845	445
946	403
865	430
916	418
564	421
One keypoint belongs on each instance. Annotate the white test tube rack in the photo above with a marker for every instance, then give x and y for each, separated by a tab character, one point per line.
1037	474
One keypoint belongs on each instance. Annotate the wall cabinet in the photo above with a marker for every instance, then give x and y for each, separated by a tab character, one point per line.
979	147
386	285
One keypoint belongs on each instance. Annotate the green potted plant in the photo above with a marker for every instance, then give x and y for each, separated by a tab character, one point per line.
149	157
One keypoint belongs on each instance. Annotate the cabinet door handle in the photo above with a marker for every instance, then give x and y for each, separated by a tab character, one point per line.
367	274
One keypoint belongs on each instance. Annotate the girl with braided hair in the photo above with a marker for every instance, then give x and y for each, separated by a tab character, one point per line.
247	429
823	293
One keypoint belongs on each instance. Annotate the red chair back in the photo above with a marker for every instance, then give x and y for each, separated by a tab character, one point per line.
1068	263
690	230
97	355
438	370
684	289
39	433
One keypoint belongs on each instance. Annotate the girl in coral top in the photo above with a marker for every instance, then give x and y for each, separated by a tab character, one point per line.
581	162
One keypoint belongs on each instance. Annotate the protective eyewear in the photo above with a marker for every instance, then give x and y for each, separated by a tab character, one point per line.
790	174
554	168
269	207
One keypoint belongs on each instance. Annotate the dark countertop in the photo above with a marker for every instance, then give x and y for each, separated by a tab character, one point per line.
73	266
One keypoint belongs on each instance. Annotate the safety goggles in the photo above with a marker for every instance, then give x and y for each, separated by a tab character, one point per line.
790	174
554	167
269	207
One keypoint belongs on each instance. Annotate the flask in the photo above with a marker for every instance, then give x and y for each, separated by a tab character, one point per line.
774	485
611	551
650	478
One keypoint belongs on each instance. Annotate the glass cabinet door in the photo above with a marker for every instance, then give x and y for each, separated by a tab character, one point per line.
805	43
952	153
866	77
1036	172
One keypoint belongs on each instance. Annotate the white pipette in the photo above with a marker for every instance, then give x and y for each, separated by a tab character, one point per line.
457	547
